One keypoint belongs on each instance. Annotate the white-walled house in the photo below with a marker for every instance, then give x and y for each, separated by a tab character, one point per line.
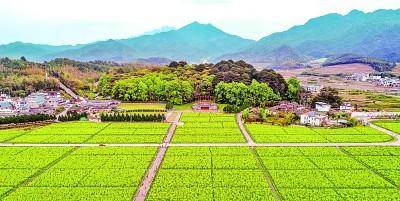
322	107
346	106
314	88
313	119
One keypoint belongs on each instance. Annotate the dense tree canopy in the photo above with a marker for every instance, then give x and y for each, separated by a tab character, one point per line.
328	95
230	71
242	95
274	80
154	87
294	88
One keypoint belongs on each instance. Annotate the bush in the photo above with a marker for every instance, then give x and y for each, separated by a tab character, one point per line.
72	116
232	109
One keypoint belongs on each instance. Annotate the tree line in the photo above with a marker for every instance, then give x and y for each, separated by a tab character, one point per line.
124	117
26	118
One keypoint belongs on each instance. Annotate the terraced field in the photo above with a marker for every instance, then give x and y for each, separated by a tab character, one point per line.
88	132
72	173
207	128
393	125
278	134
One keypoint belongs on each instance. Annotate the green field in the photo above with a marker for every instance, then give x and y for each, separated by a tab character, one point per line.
207	128
88	132
304	173
393	125
278	134
141	106
72	173
210	174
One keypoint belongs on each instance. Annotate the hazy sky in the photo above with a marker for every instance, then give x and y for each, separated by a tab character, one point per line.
82	21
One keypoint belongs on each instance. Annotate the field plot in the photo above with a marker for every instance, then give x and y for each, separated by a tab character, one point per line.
8	134
393	125
291	134
89	132
316	173
85	174
207	128
210	173
142	106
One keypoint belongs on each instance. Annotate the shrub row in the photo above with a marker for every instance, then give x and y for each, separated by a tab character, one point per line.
146	110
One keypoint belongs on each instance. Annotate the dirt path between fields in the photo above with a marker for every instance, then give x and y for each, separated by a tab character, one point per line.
151	173
246	135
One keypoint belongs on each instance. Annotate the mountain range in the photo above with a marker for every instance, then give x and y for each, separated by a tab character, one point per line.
375	34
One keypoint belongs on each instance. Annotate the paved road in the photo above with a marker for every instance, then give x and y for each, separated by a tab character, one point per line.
152	171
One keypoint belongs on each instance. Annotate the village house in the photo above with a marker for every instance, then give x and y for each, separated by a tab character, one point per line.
314	88
286	107
100	105
346	106
313	119
322	107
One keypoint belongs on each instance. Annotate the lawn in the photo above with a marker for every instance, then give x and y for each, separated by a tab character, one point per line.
207	128
72	173
89	132
393	125
292	134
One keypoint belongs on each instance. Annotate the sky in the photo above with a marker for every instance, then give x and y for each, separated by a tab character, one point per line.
58	22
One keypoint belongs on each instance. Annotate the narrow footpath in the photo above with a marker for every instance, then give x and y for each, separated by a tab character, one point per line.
152	171
246	135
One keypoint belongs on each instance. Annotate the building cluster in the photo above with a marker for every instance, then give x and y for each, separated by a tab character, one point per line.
313	116
35	103
94	106
377	79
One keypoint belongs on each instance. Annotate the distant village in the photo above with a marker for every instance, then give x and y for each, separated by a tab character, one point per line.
51	103
391	82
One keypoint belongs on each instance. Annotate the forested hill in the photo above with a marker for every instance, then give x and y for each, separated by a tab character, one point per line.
375	34
194	42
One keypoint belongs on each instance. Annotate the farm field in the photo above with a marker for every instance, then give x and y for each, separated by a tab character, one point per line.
72	173
298	173
210	173
207	128
263	133
392	125
88	132
141	106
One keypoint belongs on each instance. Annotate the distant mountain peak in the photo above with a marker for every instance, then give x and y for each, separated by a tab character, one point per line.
199	26
355	12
